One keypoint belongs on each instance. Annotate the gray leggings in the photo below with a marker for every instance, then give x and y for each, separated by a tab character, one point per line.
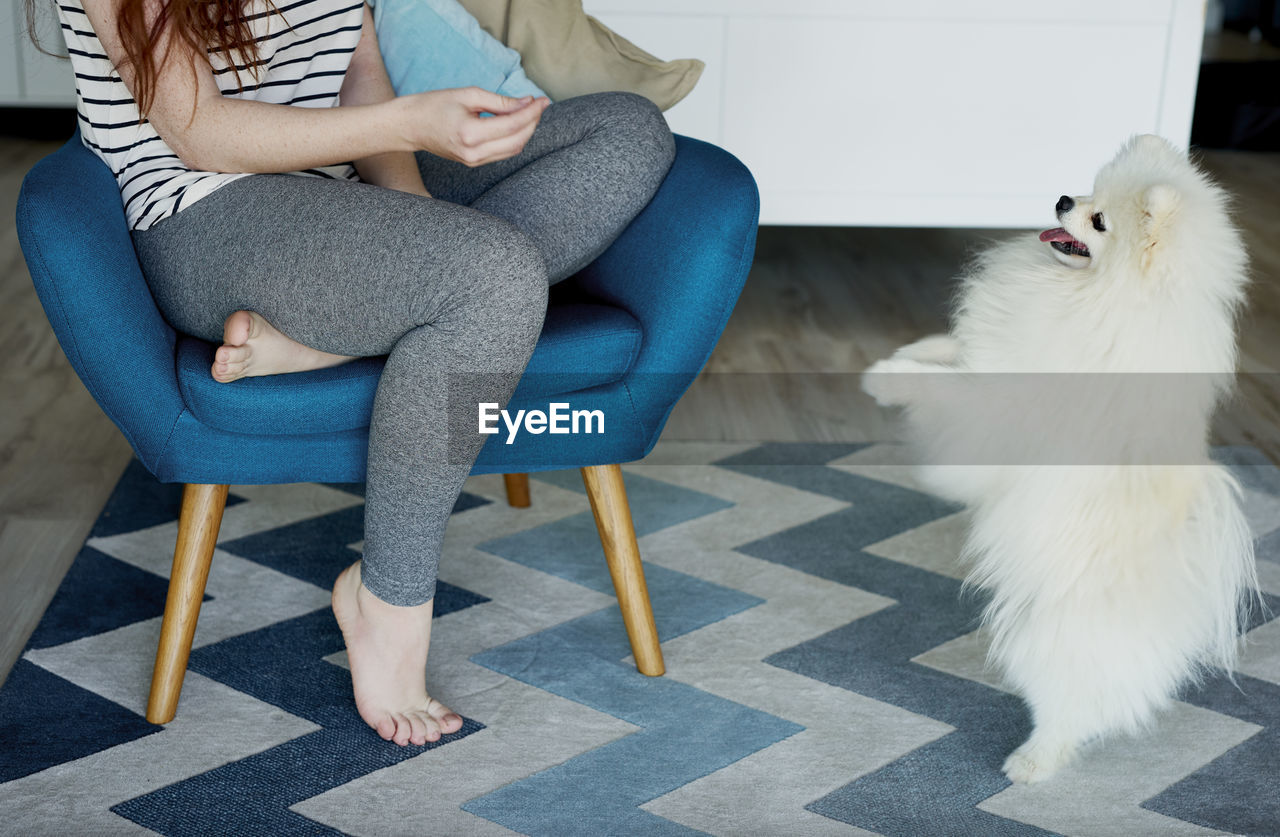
453	290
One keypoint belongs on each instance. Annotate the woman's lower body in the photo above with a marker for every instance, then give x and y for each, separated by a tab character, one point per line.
452	289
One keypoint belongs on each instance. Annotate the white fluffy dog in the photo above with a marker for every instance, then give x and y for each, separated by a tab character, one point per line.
1115	552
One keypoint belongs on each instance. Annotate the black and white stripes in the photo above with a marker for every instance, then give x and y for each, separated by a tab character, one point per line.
304	48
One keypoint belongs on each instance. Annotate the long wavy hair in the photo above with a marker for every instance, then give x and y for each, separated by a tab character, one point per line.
204	25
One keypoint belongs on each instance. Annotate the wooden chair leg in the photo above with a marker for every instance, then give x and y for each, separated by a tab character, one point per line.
198	526
618	536
517	490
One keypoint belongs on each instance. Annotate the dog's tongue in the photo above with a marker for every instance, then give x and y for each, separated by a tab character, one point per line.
1058	234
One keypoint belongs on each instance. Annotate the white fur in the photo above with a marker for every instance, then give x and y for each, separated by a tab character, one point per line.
1115	552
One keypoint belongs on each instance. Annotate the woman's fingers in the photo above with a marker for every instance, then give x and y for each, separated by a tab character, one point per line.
487	129
480	100
484	140
449	124
501	149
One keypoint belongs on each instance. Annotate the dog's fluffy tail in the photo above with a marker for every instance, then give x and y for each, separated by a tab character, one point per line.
1113	587
1222	550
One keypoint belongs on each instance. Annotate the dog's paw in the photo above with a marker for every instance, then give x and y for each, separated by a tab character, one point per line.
1023	769
878	382
936	348
1034	762
896	381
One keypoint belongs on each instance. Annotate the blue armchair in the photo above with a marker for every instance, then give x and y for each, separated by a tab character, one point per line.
626	336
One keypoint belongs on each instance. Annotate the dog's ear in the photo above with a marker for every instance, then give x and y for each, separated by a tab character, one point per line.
1155	146
1159	207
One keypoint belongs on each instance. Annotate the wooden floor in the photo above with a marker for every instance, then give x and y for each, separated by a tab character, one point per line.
59	455
821	304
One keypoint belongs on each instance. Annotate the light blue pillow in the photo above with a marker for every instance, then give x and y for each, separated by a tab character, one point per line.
437	44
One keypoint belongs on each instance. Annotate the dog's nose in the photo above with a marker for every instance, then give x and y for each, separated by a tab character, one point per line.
1065	204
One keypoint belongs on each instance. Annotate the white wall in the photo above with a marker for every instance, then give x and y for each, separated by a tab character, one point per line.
27	76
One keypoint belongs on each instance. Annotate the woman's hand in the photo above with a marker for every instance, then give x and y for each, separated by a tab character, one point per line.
212	132
367	83
448	123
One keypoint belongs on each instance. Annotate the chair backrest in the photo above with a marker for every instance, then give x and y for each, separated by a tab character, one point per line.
75	239
695	241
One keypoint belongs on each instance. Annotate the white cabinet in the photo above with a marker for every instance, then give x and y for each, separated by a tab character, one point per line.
974	113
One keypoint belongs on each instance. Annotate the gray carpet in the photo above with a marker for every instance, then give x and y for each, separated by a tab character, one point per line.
824	675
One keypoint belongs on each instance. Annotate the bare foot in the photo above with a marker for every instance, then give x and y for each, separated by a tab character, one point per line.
252	346
387	648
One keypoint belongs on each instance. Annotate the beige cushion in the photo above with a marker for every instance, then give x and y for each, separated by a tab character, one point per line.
568	53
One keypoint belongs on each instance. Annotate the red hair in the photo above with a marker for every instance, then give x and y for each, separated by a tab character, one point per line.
203	25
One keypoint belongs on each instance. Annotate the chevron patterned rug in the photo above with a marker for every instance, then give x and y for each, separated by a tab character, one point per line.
824	675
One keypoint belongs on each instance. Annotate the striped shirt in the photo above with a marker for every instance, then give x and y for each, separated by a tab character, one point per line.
304	49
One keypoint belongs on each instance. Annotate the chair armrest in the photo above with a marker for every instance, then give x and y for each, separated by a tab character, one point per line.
678	269
76	243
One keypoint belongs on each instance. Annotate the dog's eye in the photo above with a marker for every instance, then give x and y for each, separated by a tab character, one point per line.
1099	223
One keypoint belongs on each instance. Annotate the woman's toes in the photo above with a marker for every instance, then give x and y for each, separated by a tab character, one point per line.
419	731
404	730
225	373
237	328
232	354
444	717
231	361
385	727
